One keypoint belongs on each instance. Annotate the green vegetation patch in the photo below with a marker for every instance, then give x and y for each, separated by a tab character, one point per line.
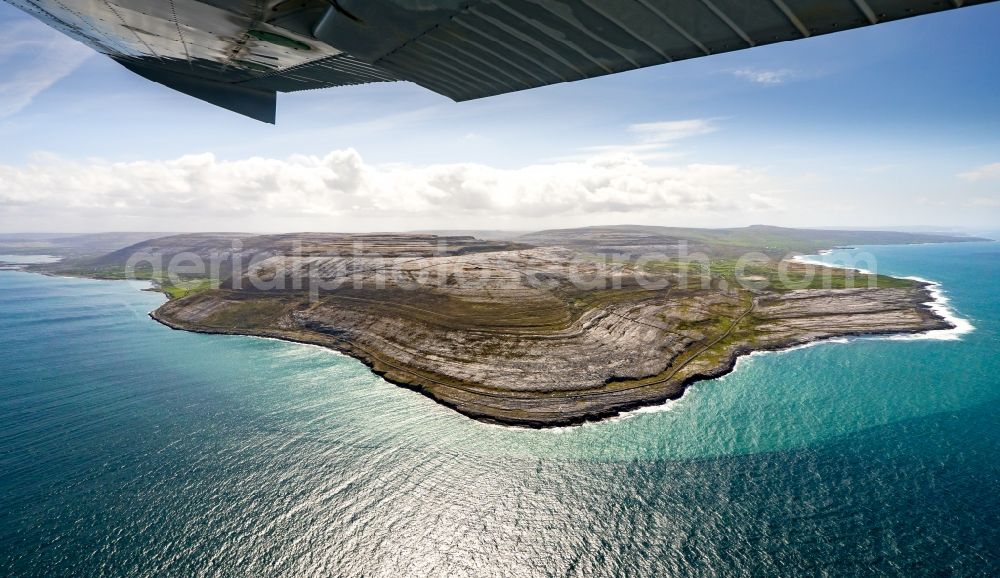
250	314
185	288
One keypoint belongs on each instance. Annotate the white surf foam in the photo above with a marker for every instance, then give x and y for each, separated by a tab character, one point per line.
808	260
939	304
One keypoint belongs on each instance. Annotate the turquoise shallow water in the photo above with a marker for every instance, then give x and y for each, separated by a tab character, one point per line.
128	449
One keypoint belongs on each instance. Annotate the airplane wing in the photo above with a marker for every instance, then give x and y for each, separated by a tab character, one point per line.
239	54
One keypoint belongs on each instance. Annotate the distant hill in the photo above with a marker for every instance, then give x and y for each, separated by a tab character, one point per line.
486	234
106	254
238	250
774	240
65	245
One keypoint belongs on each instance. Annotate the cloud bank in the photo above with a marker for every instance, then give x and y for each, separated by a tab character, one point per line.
342	184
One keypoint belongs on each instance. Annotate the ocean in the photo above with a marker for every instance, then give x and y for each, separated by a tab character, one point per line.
129	449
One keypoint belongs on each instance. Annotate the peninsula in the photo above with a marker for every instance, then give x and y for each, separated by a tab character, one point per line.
542	329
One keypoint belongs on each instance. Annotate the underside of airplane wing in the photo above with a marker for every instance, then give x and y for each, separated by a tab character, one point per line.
239	54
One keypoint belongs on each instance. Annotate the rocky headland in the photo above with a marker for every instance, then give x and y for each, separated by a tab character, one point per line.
543	333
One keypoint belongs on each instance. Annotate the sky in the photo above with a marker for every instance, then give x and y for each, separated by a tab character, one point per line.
896	125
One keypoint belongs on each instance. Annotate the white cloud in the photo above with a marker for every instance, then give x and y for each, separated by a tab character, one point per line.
342	184
761	202
669	131
988	202
880	169
34	57
983	173
763	76
652	141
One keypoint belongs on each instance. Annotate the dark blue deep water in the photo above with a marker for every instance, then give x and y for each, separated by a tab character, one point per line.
128	449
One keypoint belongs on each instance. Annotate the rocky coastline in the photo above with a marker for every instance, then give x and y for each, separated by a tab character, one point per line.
547	329
612	411
488	379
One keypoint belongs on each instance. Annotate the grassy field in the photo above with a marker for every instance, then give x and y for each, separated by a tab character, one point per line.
180	286
772	274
